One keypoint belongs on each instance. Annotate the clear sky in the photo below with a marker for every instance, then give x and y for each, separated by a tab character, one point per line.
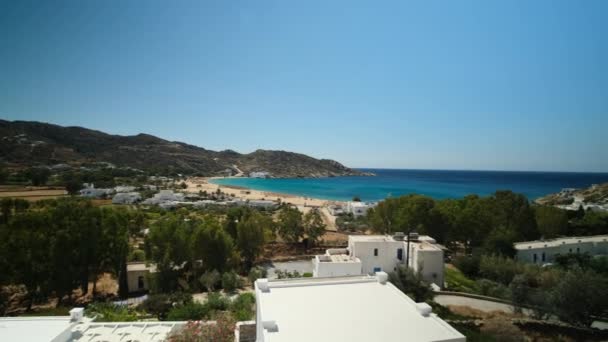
502	85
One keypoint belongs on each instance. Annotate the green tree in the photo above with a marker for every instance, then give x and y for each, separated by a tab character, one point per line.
411	283
579	296
251	237
552	222
500	242
3	175
291	227
212	244
314	227
210	280
230	281
38	175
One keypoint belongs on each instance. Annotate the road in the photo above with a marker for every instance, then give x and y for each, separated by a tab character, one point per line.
477	304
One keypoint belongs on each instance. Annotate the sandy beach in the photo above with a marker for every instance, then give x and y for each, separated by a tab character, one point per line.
304	204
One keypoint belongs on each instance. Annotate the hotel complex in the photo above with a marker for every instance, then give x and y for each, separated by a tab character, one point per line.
368	254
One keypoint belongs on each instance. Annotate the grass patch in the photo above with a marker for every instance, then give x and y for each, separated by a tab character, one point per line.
457	281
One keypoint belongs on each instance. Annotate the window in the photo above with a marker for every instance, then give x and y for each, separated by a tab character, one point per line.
578	250
534	257
377	269
400	253
375	251
543	257
140	282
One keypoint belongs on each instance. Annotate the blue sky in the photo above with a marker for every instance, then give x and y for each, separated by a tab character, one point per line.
501	85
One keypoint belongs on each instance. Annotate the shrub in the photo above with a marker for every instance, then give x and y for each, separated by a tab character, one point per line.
411	284
307	275
469	265
210	280
490	288
158	305
242	306
216	301
137	255
256	273
230	281
221	331
188	312
109	312
456	281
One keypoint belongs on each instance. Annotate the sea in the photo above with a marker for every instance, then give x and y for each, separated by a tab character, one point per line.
438	184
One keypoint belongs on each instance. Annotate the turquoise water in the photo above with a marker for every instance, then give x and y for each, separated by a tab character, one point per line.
435	183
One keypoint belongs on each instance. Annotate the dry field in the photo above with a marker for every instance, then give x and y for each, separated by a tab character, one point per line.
31	193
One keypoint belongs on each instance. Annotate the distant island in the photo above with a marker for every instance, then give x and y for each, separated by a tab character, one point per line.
30	143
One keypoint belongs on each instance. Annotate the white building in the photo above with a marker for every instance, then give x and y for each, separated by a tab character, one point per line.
126	198
358	208
545	251
368	254
89	190
335	210
124	188
262	204
259	174
138	276
165	198
360	308
77	328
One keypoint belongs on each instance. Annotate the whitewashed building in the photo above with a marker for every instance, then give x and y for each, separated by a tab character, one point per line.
90	191
359	308
138	276
368	254
165	198
77	328
358	208
124	188
545	251
126	198
259	174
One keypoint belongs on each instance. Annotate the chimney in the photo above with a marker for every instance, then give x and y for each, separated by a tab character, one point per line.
76	314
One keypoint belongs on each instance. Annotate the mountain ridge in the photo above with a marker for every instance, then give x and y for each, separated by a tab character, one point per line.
32	143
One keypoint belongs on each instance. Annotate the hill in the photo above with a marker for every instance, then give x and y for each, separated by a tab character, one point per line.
29	143
595	197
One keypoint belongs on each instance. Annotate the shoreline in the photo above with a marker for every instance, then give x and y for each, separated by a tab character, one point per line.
304	203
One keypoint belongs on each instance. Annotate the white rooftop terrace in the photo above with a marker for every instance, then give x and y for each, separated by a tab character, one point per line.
560	241
33	328
358	308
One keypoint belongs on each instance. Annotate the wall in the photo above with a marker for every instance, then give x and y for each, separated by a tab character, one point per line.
593	248
428	260
335	269
386	258
132	280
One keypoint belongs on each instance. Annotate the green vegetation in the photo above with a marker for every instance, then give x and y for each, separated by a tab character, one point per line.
108	312
411	283
60	245
457	281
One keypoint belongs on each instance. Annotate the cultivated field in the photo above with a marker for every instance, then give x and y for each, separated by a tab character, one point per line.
31	193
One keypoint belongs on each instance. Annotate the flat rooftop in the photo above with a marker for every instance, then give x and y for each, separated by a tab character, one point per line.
32	328
124	331
359	308
344	258
560	241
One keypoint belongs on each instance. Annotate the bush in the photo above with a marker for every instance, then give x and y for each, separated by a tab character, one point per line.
242	307
256	273
411	284
210	280
137	255
109	312
230	281
500	269
490	288
221	331
188	312
217	302
469	265
307	275
457	281
158	305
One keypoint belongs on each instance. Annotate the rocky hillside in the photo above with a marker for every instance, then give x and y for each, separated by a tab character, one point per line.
595	196
27	143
